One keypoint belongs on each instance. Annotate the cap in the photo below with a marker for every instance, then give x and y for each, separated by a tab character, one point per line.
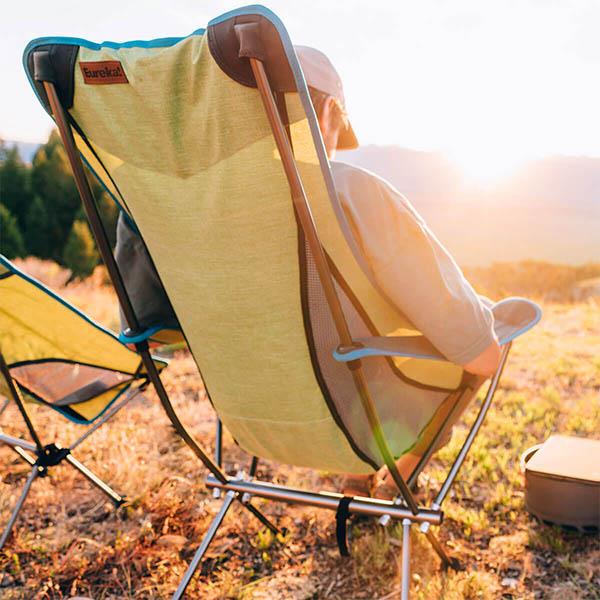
321	75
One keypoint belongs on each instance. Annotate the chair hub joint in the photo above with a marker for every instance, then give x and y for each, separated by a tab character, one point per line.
50	456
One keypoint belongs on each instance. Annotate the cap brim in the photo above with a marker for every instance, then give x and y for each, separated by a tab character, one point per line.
347	139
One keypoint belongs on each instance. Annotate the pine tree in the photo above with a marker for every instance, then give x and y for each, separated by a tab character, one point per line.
11	240
52	181
80	254
15	189
41	231
44	199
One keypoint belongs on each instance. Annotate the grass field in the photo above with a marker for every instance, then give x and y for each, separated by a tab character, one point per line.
70	543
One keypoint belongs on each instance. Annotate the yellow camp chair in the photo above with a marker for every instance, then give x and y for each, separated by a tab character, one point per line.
202	140
53	354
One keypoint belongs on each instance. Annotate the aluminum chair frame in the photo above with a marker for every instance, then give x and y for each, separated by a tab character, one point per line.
242	488
42	457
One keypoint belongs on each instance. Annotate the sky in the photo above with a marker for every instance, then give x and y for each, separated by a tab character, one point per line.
489	83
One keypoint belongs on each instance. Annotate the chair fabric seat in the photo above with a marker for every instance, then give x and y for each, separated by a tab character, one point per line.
56	354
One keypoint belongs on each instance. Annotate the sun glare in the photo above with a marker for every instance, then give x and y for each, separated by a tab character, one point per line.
487	166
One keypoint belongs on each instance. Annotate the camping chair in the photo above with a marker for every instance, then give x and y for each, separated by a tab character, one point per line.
210	144
53	354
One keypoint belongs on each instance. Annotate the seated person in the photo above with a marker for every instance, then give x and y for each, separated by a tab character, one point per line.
407	261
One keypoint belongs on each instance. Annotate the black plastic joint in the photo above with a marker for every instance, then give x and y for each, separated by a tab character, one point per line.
51	455
42	66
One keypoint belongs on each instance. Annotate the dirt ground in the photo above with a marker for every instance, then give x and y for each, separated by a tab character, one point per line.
69	542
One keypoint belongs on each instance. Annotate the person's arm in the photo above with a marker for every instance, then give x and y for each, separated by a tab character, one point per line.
489	360
416	272
485	363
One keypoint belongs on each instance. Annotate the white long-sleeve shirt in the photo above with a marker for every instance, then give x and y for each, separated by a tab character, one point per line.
412	267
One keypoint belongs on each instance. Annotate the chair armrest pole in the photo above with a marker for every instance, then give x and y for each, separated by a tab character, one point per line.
474	429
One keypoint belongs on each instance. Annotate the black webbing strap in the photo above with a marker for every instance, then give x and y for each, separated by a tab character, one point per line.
341	524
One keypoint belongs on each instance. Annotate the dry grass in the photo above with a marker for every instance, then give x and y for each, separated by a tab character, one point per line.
70	542
552	282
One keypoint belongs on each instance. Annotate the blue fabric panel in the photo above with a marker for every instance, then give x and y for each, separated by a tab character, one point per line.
513	317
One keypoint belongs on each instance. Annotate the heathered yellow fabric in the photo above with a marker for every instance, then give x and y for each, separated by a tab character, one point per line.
191	152
387	318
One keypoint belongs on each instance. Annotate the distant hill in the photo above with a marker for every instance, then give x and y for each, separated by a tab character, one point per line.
547	210
26	149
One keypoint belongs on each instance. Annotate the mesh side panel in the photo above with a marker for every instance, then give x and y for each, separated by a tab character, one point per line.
337	377
66	384
404	410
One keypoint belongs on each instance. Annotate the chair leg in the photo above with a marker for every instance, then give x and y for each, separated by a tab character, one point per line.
38	470
109	414
250	508
35	471
94	479
247	497
4	405
208	538
447	560
406	523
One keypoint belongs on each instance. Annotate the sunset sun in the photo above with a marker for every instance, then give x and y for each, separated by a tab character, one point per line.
486	166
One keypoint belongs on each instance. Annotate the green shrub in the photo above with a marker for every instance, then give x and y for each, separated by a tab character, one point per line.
80	253
11	240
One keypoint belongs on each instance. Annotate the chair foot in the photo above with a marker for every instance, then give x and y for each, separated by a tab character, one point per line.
454	564
119	503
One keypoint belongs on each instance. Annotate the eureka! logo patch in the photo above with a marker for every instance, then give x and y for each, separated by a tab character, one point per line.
103	72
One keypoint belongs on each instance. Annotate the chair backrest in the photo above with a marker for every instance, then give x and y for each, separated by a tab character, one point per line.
56	354
176	131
